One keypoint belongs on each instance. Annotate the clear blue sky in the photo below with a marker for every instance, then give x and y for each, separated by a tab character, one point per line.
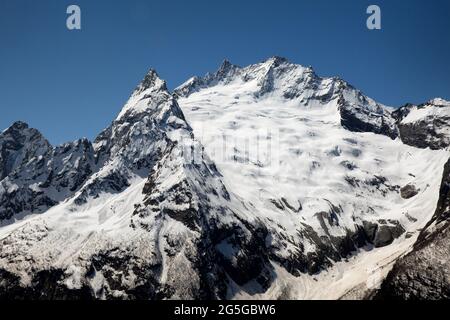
71	84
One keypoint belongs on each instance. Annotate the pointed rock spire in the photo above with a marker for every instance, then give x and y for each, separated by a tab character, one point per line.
151	91
225	69
226	64
18	144
151	81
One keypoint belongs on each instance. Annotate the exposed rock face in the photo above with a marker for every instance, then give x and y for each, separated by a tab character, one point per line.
387	232
36	175
424	273
426	125
360	119
18	145
409	191
46	286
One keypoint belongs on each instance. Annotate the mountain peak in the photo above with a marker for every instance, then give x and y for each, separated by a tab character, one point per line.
439	102
226	64
225	69
19	125
150	92
151	81
276	60
19	144
20	129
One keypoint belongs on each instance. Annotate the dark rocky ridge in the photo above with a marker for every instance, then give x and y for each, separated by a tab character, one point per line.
351	122
426	132
18	145
37	176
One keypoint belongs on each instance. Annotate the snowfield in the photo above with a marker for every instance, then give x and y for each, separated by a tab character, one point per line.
284	154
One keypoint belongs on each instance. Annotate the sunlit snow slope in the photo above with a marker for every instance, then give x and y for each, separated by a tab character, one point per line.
293	159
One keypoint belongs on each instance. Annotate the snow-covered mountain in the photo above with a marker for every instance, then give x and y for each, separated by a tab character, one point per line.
266	181
367	188
277	77
152	218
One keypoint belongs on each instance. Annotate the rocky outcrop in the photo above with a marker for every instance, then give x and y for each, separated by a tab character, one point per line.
409	191
426	125
361	119
18	145
37	176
